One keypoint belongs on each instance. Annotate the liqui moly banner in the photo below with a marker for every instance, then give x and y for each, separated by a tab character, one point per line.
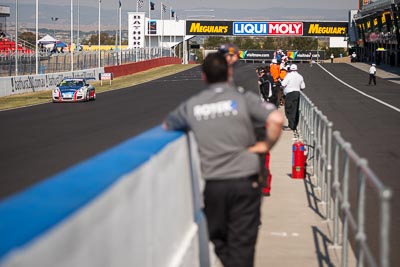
267	28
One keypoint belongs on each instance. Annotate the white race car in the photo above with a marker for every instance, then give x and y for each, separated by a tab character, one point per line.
74	90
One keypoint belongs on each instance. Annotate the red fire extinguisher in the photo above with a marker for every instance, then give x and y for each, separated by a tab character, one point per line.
298	161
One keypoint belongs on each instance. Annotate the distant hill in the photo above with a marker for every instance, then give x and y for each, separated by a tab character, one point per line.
88	20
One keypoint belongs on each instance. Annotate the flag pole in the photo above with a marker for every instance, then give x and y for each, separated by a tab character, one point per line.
170	41
162	33
148	30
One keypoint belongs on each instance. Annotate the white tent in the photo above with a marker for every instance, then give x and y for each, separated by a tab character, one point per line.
47	40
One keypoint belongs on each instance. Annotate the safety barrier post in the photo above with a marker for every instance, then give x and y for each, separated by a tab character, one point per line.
345	205
336	191
385	197
360	235
324	129
329	172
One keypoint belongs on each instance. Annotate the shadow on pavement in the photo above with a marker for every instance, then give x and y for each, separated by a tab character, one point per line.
322	242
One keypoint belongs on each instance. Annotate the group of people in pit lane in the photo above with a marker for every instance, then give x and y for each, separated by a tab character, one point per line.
235	132
280	84
270	78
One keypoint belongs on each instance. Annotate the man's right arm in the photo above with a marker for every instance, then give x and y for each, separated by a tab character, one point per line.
273	124
176	119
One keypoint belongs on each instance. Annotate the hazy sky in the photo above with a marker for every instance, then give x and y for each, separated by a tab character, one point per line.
195	4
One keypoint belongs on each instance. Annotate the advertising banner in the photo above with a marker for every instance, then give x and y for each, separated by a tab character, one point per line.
152	27
325	29
136	23
267	28
293	55
208	27
257	54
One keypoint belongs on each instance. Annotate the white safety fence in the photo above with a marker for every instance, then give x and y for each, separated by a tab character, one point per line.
137	204
33	83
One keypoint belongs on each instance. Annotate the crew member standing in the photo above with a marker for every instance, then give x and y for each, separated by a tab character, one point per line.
372	74
275	70
292	84
223	119
265	84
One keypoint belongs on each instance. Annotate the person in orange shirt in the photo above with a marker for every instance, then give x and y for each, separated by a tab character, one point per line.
275	70
280	97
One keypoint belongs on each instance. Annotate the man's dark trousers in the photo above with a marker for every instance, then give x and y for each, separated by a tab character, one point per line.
232	208
372	78
292	109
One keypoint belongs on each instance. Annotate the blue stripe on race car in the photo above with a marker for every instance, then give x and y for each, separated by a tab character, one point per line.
36	210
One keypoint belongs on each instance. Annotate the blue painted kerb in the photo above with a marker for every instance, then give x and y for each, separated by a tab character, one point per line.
34	211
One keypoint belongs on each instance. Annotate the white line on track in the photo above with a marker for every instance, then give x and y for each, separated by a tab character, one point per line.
360	92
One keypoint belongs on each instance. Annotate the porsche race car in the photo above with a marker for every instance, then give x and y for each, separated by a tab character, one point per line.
74	90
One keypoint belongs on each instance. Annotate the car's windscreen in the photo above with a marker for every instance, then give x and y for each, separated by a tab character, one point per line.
72	83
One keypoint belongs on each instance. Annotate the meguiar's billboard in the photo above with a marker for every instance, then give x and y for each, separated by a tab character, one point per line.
208	27
266	28
325	29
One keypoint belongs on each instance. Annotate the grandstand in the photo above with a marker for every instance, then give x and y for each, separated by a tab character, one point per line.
7	46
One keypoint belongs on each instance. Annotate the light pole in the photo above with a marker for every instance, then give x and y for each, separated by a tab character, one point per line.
98	50
54	29
72	35
37	38
77	37
16	37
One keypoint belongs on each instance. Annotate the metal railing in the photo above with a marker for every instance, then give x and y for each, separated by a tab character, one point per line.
61	62
338	169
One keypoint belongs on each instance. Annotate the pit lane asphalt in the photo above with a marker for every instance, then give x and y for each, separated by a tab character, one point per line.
37	142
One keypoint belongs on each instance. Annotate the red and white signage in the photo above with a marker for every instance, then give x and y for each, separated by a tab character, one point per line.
285	28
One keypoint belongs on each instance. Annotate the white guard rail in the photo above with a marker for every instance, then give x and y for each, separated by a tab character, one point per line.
341	173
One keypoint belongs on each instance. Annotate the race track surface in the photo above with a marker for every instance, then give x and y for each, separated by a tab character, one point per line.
40	141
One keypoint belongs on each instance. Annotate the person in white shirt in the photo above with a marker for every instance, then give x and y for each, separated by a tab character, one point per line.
354	57
372	74
292	84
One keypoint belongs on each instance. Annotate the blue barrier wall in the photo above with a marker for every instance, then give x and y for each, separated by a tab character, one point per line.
137	204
